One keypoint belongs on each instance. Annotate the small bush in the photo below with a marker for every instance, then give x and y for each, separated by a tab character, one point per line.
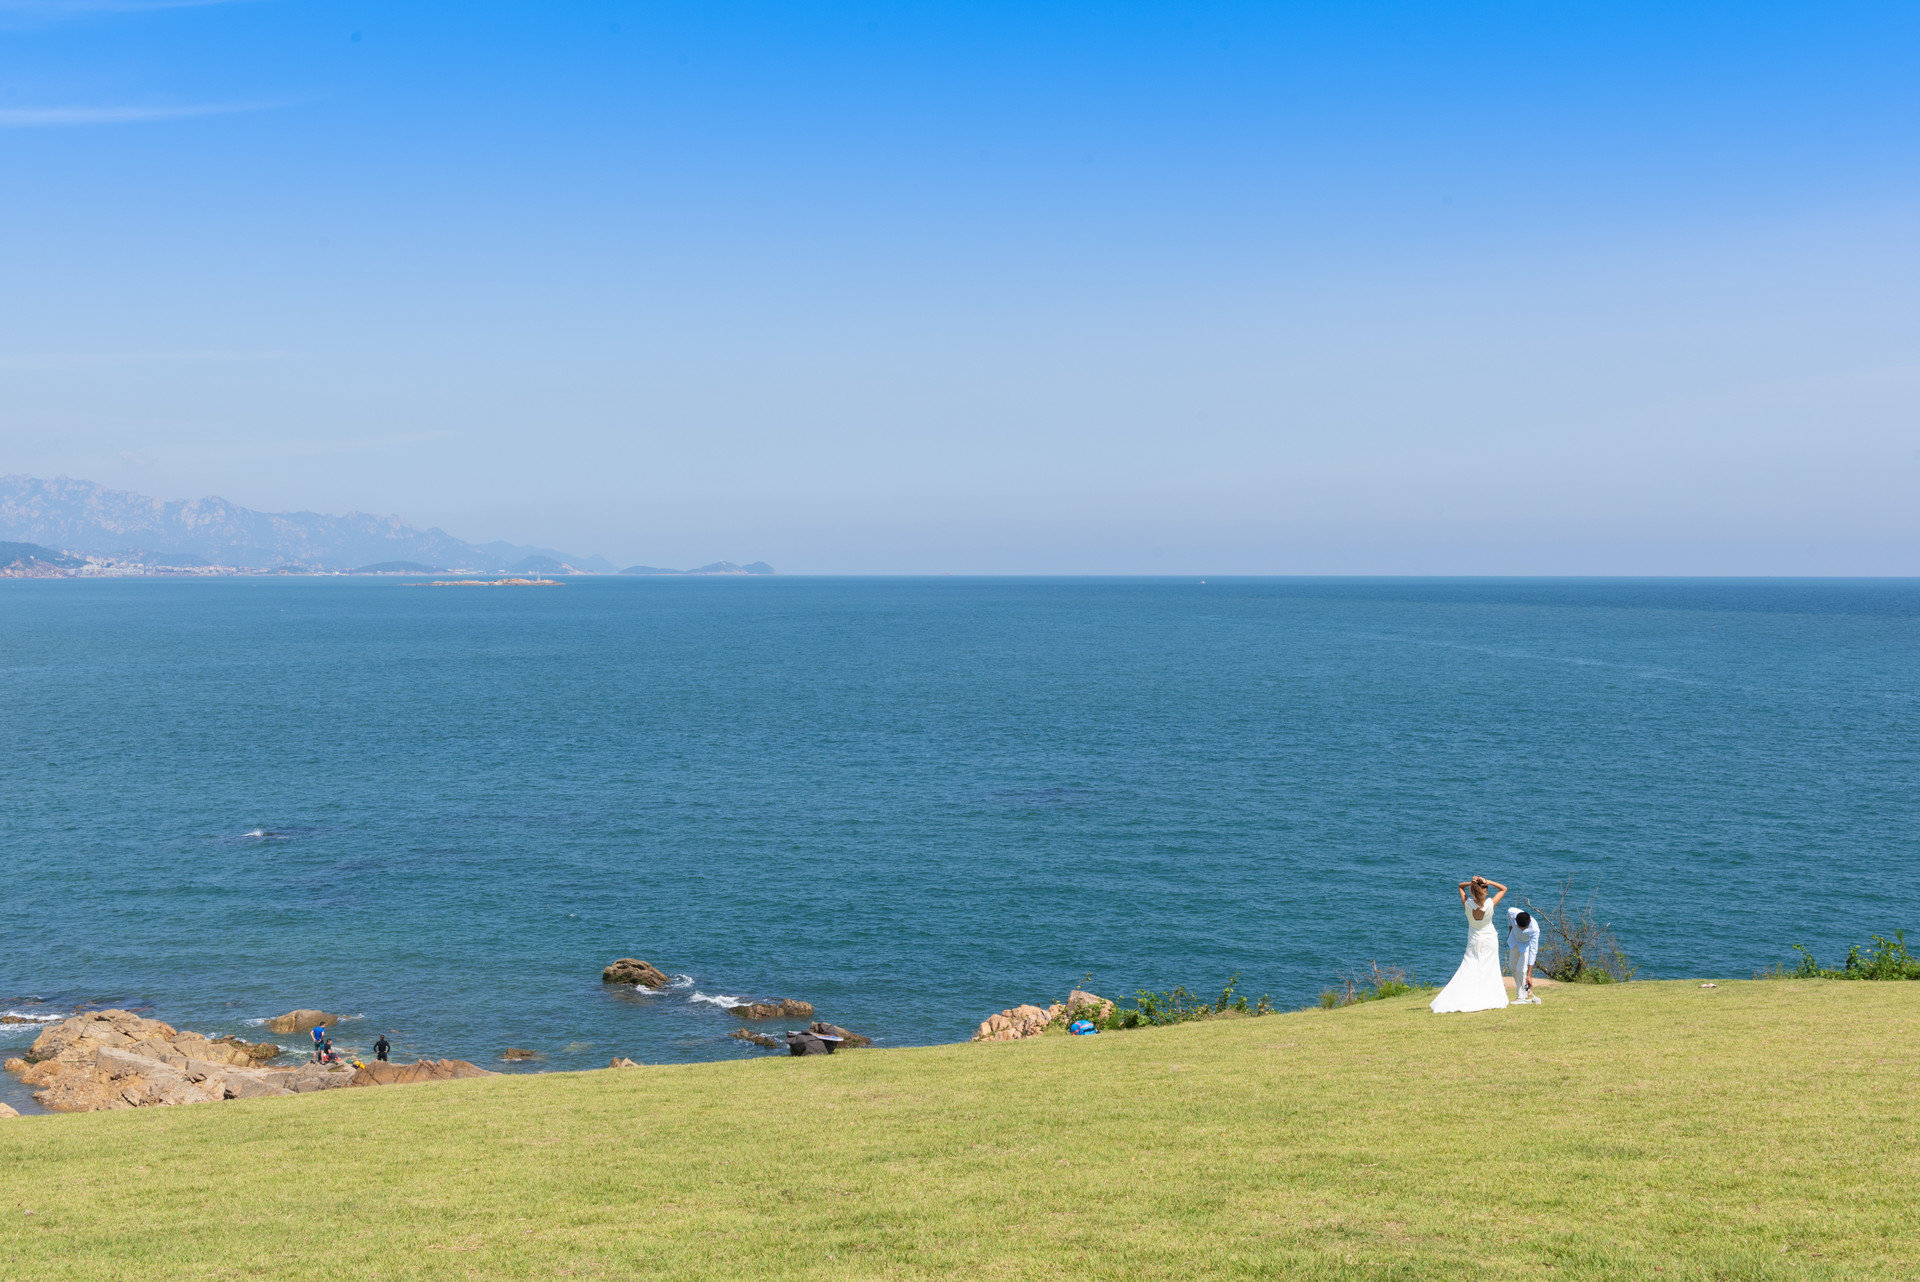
1574	947
1177	1006
1378	982
1882	959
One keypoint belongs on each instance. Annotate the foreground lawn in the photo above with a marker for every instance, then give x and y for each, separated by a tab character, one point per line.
1649	1130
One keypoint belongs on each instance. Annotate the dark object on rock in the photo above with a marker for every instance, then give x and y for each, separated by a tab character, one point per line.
517	1054
631	970
300	1021
758	1039
256	1051
425	1070
776	1008
847	1040
809	1044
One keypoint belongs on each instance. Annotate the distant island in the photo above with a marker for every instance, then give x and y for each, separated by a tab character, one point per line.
66	528
718	567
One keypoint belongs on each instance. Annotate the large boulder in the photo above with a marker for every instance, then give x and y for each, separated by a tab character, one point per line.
847	1040
121	1079
76	1039
43	1072
425	1070
631	970
115	1059
775	1008
1015	1023
8	1110
248	1086
1085	1005
301	1021
254	1052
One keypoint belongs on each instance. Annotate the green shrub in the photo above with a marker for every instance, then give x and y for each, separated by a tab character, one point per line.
1882	959
1176	1006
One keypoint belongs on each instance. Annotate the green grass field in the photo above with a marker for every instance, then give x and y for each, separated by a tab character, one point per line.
1647	1130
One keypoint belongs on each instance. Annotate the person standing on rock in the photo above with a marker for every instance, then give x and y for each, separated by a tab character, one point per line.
381	1047
319	1040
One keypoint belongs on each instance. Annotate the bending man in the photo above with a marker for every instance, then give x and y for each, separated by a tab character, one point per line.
1523	945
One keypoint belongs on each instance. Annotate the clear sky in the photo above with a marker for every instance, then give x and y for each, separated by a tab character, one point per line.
1028	287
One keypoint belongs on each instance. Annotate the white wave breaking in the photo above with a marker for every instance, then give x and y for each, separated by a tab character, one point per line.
723	1001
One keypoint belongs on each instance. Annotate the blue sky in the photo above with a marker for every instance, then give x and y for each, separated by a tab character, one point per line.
1275	288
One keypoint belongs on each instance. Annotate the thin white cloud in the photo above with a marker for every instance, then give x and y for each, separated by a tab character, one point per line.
55	117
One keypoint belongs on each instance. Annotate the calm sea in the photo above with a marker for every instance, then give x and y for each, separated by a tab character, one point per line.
914	802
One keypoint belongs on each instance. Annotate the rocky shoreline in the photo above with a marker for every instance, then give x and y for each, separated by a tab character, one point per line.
114	1059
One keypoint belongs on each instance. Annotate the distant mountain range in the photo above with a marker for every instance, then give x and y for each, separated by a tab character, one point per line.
84	522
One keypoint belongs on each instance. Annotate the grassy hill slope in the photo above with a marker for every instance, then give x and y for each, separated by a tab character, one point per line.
1754	1130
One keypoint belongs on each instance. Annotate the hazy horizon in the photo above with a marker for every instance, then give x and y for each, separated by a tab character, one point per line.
1002	289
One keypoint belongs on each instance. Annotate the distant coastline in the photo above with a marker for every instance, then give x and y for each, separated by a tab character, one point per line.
66	528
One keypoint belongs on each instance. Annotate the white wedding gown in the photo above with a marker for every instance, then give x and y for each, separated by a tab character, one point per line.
1478	984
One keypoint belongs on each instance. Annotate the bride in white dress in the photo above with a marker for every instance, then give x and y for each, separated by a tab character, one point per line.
1478	984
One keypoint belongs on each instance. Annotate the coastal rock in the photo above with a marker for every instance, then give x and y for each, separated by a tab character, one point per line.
758	1039
43	1072
246	1086
7	1110
621	1062
518	1054
775	1008
79	1093
425	1070
119	1078
1084	1005
254	1051
631	970
848	1041
115	1059
1014	1024
301	1021
77	1038
19	1019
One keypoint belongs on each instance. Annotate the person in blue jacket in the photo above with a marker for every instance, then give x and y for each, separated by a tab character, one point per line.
319	1040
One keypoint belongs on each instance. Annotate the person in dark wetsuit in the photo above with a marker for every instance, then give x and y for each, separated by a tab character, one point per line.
381	1047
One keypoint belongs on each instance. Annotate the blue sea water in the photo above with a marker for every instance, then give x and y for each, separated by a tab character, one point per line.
914	802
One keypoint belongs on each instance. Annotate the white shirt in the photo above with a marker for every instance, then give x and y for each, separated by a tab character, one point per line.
1527	937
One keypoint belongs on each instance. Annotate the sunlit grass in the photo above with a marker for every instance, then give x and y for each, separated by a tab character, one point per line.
1753	1130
